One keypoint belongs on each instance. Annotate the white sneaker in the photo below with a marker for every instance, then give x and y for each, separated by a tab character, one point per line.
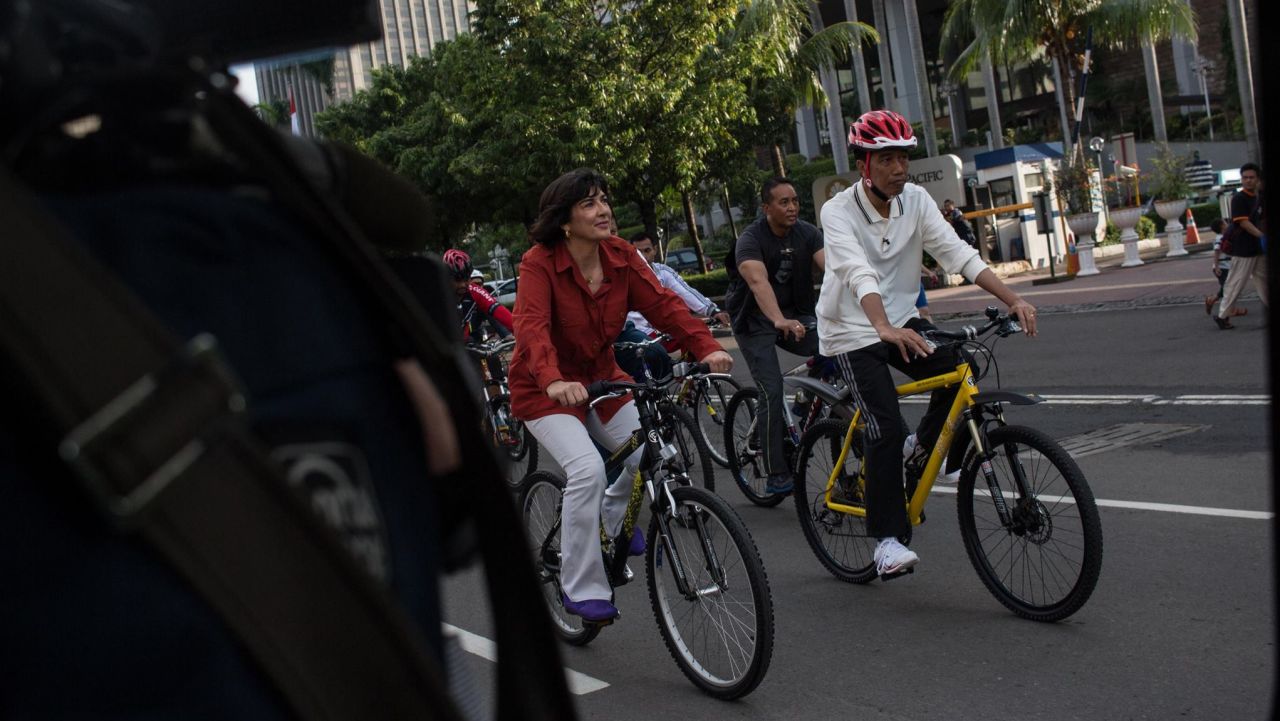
952	477
893	558
908	446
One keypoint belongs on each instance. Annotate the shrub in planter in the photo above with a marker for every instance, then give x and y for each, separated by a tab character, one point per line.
1146	228
1167	179
712	284
1071	183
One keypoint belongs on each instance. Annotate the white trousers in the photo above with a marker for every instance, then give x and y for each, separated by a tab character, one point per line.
586	500
1242	269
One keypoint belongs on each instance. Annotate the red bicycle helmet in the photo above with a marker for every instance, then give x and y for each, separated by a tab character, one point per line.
458	262
881	129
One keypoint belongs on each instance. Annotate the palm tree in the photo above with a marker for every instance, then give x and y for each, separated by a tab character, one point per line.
1014	31
790	56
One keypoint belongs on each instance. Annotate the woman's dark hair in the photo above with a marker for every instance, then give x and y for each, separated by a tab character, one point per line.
558	199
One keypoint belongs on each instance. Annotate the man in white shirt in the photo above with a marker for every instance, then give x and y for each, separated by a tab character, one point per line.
639	329
875	234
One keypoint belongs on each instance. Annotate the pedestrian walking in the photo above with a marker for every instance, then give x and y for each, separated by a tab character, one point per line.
1245	240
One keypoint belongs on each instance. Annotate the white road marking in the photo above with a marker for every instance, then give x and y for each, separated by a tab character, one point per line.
579	683
1147	399
1145	506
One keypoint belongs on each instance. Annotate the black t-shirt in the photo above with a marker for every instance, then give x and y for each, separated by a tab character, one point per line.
788	262
1243	206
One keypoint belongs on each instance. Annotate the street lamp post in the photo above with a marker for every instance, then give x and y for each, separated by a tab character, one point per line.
500	255
1096	144
1201	67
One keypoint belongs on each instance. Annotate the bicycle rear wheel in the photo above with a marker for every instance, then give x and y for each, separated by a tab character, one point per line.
746	459
540	507
677	427
838	539
1044	564
720	633
710	408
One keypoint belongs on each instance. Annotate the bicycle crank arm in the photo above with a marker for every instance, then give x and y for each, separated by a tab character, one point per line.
896	574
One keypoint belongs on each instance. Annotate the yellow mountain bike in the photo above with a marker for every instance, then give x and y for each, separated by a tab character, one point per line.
1027	516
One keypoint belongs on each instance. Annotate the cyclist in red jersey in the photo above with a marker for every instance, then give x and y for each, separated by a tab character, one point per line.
475	303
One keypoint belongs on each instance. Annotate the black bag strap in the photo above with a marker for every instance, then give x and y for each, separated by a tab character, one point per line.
151	428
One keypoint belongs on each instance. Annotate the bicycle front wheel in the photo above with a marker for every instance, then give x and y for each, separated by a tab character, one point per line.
838	539
710	408
513	441
1044	562
746	457
540	507
719	628
679	429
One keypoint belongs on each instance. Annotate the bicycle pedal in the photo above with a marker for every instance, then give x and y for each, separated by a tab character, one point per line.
600	624
891	576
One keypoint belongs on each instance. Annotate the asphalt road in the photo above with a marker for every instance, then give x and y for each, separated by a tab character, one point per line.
1181	624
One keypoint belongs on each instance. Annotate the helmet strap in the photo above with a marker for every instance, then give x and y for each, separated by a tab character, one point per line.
866	178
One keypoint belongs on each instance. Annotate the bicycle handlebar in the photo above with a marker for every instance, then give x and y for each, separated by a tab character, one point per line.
1003	324
641	344
808	328
599	390
499	345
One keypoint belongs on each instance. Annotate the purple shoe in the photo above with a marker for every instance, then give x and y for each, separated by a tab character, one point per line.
596	610
637	544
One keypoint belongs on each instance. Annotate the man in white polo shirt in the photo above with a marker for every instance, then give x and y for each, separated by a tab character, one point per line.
875	234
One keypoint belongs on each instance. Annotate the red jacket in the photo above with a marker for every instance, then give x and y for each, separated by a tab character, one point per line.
565	333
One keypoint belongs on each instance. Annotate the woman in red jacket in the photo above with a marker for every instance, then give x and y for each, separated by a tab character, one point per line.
577	283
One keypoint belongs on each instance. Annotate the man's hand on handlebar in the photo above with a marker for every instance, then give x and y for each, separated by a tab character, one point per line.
567	393
719	361
1026	314
909	343
790	327
722	318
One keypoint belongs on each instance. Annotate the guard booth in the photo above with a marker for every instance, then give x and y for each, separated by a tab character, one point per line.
1012	176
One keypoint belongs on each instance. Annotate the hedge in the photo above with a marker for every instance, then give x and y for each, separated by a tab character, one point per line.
712	285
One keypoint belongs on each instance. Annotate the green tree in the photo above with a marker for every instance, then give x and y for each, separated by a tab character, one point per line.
1015	31
785	57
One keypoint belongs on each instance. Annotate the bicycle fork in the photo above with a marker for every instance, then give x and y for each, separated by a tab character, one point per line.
977	431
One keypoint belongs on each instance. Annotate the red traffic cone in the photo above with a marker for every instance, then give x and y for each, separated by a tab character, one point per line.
1193	235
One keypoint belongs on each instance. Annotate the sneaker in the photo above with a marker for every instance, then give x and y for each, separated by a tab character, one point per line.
637	544
779	483
1223	323
595	609
908	446
892	557
952	477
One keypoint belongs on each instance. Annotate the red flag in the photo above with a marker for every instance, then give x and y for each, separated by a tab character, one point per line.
293	113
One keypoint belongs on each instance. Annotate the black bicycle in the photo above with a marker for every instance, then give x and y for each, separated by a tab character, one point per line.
510	436
707	584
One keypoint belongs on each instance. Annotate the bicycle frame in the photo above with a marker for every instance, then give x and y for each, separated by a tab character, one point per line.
960	409
643	481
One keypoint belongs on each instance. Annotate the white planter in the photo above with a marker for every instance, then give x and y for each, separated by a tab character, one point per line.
1083	226
1172	211
1126	219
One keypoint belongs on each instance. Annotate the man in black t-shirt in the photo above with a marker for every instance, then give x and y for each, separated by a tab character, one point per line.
1246	240
773	267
